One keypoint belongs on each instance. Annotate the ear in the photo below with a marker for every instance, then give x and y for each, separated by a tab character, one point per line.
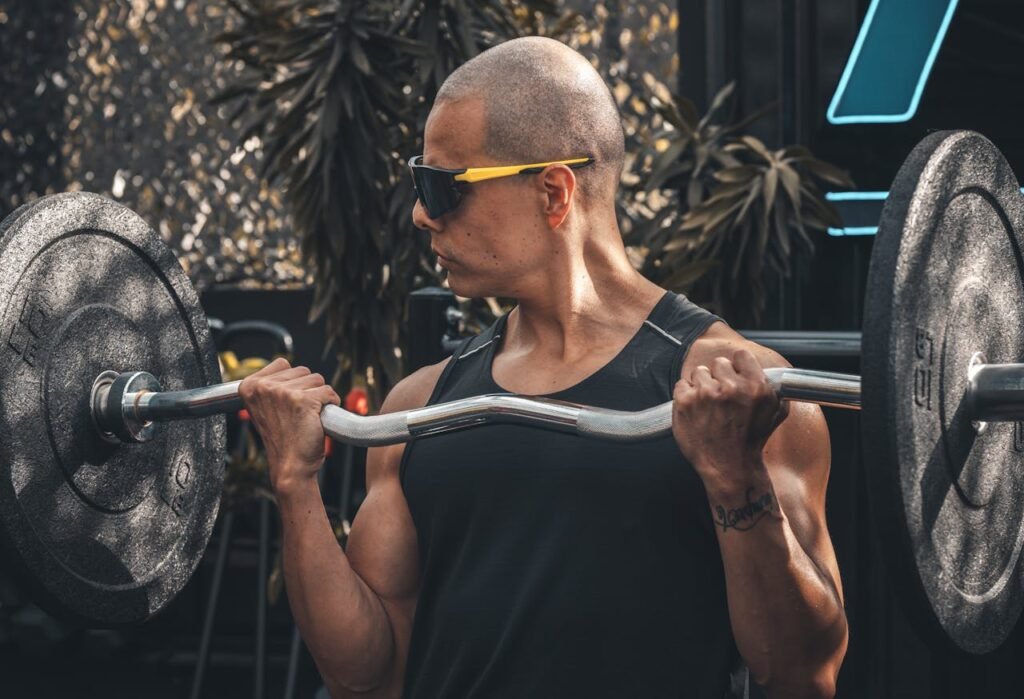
559	184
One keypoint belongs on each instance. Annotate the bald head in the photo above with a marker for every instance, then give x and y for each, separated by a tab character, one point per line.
543	101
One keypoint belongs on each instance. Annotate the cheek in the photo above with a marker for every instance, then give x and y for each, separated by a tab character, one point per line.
498	231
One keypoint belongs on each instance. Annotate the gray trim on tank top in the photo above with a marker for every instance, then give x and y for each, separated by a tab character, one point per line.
671	338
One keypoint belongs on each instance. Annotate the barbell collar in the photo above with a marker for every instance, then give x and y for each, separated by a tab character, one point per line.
133	402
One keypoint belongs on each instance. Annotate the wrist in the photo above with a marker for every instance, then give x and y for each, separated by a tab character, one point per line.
742	503
295	485
729	482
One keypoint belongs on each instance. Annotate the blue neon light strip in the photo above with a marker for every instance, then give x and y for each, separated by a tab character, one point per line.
856	196
890	62
859	196
856	230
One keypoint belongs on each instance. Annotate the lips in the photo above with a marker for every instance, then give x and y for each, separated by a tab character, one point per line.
441	257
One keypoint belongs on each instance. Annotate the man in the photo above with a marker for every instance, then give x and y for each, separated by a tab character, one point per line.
508	561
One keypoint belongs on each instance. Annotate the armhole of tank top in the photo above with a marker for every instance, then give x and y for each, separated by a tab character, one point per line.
434	394
685	343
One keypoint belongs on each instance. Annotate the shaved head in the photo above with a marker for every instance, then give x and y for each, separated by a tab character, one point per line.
542	102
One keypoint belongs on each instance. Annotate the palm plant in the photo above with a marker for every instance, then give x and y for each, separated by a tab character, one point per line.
721	215
337	92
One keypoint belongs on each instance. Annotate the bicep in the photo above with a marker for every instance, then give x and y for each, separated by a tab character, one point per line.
798	457
382	545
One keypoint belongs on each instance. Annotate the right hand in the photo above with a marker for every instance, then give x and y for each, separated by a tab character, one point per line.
284	403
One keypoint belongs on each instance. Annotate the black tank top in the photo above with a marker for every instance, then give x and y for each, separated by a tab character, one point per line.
558	566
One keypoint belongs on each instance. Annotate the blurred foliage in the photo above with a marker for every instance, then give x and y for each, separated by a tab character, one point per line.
338	93
717	214
113	98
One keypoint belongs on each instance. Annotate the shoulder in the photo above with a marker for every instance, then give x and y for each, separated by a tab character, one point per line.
383	463
414	390
722	341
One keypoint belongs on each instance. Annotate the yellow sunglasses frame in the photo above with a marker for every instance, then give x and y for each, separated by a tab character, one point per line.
448	195
479	174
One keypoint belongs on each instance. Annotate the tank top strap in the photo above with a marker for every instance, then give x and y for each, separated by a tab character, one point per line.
680	321
485	343
471	361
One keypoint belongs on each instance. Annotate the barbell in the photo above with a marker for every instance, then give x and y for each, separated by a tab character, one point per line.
112	429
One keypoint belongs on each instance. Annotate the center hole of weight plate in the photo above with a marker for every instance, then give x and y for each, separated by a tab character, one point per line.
965	441
92	339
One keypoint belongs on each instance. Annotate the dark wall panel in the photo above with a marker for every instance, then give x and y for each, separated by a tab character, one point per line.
792	53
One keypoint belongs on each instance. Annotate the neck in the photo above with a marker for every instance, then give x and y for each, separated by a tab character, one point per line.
589	295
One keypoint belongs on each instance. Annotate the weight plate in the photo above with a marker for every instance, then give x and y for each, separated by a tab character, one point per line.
945	282
14	215
103	533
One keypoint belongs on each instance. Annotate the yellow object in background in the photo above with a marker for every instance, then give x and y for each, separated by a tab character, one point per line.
233	369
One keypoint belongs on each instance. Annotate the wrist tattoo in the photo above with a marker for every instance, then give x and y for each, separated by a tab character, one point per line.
747	516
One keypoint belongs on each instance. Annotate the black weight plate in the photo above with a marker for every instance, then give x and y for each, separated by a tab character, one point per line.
14	215
945	282
103	533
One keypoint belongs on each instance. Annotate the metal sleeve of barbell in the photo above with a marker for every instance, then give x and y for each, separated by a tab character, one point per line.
170	405
821	387
995	392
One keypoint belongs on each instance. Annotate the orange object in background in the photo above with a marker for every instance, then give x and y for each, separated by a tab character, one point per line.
357	401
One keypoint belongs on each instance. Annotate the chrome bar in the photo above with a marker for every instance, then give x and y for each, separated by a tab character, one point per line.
820	387
824	388
197	402
995	392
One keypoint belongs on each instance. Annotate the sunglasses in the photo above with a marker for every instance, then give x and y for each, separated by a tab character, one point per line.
437	187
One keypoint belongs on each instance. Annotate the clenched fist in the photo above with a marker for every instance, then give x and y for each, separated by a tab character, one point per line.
284	403
722	416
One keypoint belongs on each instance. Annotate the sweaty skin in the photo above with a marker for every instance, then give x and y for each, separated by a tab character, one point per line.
560	255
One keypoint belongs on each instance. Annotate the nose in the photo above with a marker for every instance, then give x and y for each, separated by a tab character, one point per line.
424	222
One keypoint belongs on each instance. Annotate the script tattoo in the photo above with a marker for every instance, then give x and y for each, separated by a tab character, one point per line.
746	517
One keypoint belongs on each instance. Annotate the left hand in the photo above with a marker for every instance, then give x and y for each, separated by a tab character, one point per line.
722	416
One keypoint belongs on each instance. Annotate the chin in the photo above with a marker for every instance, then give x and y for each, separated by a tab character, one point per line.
469	289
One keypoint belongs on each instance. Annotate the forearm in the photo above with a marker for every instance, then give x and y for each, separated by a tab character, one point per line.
787	615
342	621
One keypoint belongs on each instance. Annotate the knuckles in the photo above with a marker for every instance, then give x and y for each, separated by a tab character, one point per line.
720	383
722	365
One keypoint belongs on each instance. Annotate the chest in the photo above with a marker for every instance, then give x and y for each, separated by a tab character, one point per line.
482	481
532	375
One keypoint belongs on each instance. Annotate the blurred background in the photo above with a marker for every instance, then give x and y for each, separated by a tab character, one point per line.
226	123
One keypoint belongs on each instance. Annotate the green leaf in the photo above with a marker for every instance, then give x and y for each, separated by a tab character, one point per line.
791	183
757	146
359	59
755	190
720	98
770	184
739	173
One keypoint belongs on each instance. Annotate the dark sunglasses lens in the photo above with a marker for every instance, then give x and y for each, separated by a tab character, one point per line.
436	190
